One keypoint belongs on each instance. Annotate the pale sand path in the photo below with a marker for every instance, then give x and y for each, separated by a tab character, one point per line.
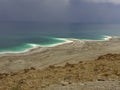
70	52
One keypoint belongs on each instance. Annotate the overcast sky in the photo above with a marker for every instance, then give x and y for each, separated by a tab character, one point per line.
82	11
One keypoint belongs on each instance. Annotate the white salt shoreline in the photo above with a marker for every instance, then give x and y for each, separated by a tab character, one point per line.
67	40
35	46
72	52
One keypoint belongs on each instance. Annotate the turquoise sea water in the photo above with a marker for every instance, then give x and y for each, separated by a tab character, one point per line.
20	36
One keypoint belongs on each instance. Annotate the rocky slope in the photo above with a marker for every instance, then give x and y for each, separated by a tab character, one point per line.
105	68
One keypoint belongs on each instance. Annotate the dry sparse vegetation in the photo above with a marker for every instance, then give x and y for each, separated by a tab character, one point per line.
105	68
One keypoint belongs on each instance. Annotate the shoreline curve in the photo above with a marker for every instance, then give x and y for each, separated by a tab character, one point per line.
63	41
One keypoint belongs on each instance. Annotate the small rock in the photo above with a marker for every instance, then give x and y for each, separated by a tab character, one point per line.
32	68
52	66
43	86
63	83
100	79
26	70
82	84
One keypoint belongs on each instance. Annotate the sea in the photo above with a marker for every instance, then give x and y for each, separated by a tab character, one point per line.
18	37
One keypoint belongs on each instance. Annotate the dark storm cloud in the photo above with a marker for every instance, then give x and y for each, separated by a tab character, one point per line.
95	11
84	11
32	10
105	1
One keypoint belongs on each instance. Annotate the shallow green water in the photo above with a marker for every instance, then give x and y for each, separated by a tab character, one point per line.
21	36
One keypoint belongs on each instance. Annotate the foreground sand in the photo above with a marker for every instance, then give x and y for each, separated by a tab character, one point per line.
86	68
104	72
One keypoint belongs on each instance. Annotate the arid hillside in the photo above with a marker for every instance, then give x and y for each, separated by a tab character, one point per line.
105	68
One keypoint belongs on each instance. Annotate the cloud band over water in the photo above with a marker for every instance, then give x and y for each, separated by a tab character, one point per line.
82	11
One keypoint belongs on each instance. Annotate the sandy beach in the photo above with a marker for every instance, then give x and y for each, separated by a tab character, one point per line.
41	57
74	53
